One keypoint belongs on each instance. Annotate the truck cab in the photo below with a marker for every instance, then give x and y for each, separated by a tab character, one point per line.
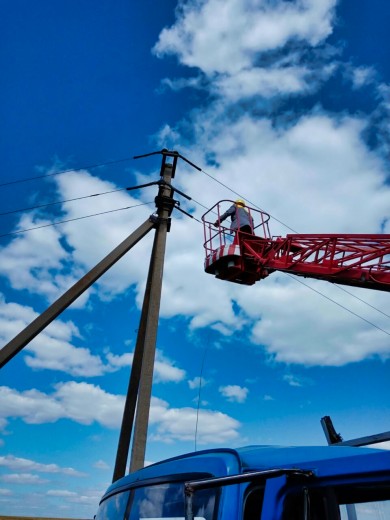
257	483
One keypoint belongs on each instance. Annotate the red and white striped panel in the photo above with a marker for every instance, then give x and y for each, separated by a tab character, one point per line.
228	250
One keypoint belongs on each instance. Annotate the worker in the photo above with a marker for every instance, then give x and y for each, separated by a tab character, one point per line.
241	219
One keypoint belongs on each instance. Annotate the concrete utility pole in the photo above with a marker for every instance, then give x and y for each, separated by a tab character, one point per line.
140	385
151	325
139	391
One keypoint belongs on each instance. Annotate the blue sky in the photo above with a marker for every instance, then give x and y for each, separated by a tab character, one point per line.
286	103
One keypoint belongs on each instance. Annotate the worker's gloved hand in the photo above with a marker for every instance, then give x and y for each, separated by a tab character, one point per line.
216	223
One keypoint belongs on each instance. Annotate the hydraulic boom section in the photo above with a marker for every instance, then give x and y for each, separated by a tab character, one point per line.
242	257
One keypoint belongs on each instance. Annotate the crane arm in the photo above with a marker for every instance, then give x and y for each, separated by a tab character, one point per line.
358	260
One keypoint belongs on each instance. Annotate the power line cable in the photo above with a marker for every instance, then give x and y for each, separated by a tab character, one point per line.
131	207
199	392
199	203
339	304
73	219
60	202
88	167
80	218
361	300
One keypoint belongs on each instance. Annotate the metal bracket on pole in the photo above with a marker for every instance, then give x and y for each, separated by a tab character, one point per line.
169	153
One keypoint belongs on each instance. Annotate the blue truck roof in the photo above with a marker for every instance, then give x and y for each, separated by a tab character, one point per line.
264	457
324	460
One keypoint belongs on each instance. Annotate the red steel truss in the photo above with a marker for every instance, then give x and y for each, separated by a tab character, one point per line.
356	260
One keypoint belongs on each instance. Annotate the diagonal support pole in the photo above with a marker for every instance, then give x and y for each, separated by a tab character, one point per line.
43	320
132	390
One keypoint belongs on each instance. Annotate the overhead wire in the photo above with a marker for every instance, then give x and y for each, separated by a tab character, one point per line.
291	229
361	300
68	170
337	303
39	206
199	393
73	219
130	207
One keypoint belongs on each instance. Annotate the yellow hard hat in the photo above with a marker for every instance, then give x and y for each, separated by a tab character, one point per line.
240	202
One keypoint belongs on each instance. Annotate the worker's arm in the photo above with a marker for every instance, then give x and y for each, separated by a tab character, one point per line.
225	215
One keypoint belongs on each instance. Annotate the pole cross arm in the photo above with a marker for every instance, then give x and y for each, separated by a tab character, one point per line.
160	182
169	153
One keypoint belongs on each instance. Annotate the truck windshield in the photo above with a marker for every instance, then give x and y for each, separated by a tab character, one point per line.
167	501
157	502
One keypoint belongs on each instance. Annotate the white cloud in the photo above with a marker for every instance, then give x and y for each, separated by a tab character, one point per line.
224	35
213	427
30	260
89	497
51	349
328	334
22	478
164	369
263	82
101	464
21	464
85	403
173	424
362	76
283	78
80	402
196	382
241	46
234	393
61	493
292	380
307	159
180	83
